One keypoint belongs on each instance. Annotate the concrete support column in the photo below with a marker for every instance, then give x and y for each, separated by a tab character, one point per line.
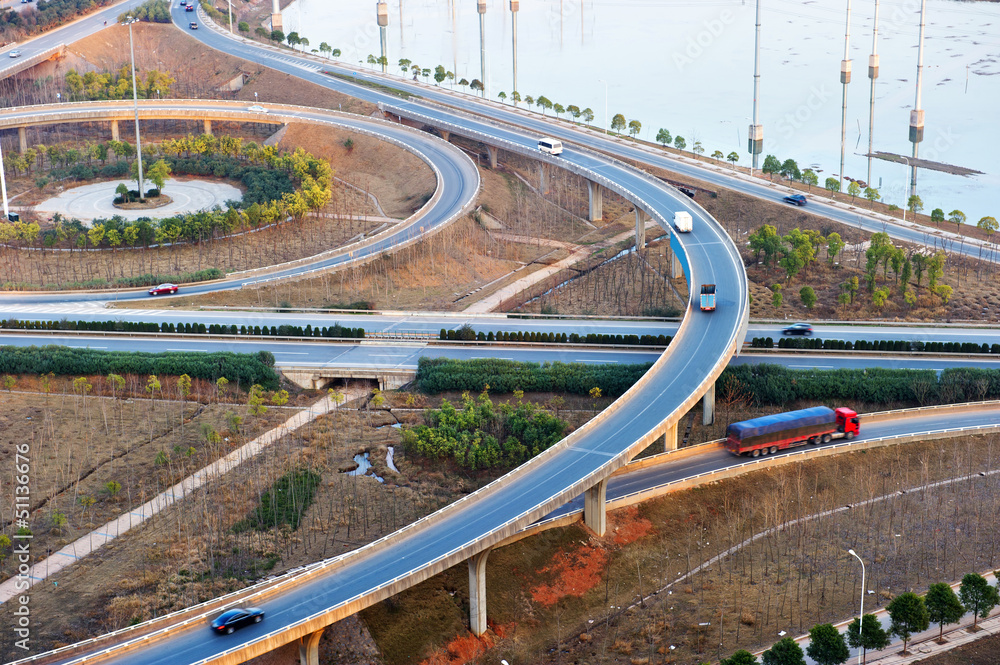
208	126
543	177
640	229
477	593
22	139
493	153
670	439
114	131
275	15
676	270
309	648
596	194
595	516
445	134
708	406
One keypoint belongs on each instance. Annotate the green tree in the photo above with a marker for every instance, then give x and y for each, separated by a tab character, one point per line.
808	296
277	36
790	170
574	111
741	657
872	195
440	74
771	165
618	123
937	216
943	606
957	217
832	185
907	615
679	142
853	189
914	204
9	382
158	173
243	26
867	634
558	109
262	32
978	597
988	224
325	48
785	651
502	96
543	102
905	273
634	127
697	148
809	177
827	645
663	137
834	245
733	157
766	241
880	297
718	156
404	64
776	297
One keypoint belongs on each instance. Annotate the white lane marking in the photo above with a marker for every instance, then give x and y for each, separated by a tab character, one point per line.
288	353
814	366
86	347
603	362
390	355
204	350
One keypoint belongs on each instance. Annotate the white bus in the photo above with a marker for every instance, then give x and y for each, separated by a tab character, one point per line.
551	146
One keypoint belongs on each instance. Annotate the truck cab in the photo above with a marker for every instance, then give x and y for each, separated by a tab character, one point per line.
847	422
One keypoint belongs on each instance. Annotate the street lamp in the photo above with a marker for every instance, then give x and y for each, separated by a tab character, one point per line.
605	104
861	617
135	104
3	190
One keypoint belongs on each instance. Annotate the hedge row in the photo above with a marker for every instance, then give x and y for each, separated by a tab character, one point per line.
240	368
770	385
880	345
187	328
435	375
148	279
554	338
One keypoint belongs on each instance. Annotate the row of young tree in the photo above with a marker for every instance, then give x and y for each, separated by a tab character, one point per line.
908	613
92	85
42	16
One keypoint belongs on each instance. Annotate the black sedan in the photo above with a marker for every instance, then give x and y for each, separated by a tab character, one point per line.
798	329
795	199
235	618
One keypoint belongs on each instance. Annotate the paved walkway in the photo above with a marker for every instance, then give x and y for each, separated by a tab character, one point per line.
89	202
94	540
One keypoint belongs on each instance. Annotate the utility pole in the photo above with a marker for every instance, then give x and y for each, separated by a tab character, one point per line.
755	135
917	114
135	106
845	78
514	6
382	16
872	74
481	6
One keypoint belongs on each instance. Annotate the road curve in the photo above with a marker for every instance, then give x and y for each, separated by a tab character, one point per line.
457	178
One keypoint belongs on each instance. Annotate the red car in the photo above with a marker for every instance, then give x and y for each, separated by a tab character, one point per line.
163	288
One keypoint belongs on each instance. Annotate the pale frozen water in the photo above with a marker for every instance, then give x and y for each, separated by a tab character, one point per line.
688	67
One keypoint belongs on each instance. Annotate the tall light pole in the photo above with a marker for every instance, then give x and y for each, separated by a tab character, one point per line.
917	114
861	617
755	135
845	78
230	16
907	201
135	105
872	74
605	104
3	189
514	6
481	8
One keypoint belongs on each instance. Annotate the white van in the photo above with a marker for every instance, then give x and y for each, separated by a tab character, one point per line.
551	146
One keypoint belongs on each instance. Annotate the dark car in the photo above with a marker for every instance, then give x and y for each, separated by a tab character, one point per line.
798	329
189	8
795	199
163	288
237	617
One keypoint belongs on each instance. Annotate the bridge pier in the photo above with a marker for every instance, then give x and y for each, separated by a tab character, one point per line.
445	134
595	514
477	592
115	136
596	194
708	406
675	266
640	228
309	648
670	438
493	154
208	126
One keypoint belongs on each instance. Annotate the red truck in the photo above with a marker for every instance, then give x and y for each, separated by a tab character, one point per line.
769	434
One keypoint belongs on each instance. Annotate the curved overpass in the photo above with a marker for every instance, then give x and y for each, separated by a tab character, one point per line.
457	178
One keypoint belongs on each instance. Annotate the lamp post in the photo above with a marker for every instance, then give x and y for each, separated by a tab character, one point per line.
135	105
3	190
861	617
605	104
